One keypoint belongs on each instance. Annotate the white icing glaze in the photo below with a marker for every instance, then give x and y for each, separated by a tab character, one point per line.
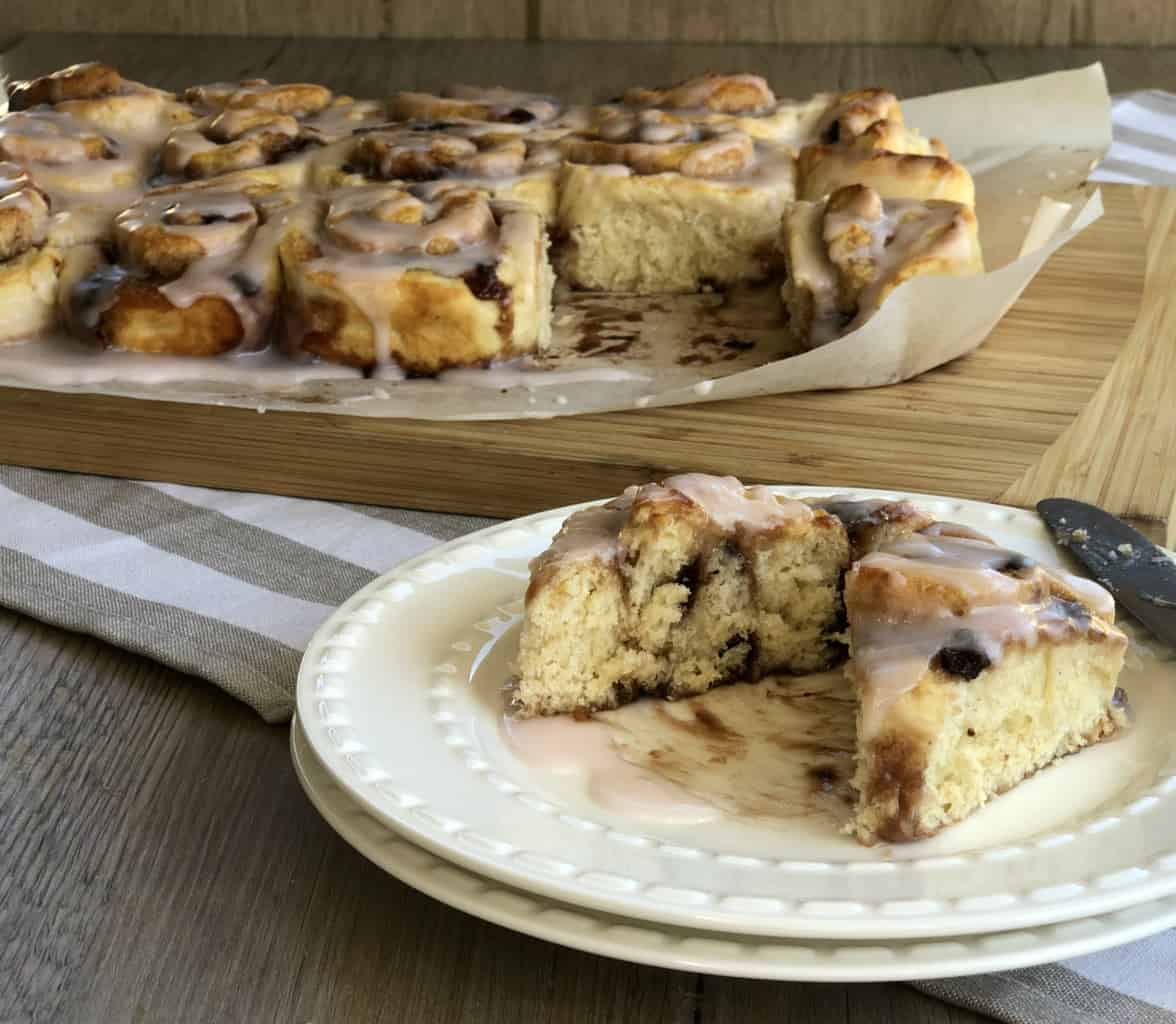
594	533
344	117
1088	592
640	144
945	529
850	257
961	565
706	92
497	105
85	191
17	193
728	503
60	362
590	534
793	122
245	138
563	746
896	637
373	233
899	232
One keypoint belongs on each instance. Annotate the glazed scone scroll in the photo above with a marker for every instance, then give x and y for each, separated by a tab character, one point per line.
674	588
846	254
661	205
99	96
196	274
476	105
384	278
86	174
975	666
29	267
433	159
746	103
254	143
868	160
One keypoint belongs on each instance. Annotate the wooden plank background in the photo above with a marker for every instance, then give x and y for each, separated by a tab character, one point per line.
996	22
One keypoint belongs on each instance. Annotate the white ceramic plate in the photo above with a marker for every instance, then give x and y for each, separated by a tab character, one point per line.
400	696
713	953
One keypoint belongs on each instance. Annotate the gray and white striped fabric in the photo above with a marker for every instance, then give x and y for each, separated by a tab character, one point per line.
222	585
1143	146
231	586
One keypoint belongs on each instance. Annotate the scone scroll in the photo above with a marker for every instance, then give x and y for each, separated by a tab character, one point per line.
29	267
677	587
432	159
661	205
383	278
196	274
975	667
846	254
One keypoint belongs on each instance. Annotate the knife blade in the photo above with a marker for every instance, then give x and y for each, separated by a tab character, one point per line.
1139	574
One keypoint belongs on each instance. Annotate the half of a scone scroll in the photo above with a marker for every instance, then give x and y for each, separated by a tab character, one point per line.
678	587
975	667
846	254
656	203
379	277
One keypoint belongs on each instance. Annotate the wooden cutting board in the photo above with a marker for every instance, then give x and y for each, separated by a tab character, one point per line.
1066	397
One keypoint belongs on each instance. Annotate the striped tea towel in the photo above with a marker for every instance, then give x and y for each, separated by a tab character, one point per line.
231	586
1143	143
223	585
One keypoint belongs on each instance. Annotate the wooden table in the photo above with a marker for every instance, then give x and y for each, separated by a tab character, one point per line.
158	861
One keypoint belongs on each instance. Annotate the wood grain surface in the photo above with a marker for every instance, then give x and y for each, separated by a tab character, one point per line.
971	428
974	428
1120	451
997	22
158	861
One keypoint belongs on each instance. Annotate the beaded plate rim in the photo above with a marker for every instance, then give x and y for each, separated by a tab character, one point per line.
730	955
324	711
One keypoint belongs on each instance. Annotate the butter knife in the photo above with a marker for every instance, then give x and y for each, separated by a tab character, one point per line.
1139	574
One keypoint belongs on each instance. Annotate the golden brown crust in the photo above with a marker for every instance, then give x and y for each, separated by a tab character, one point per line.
822	170
297	99
46	137
475	105
91	80
413	106
853	114
24	213
894	786
871	523
725	156
847	254
236	139
721	93
140	318
361	291
28	292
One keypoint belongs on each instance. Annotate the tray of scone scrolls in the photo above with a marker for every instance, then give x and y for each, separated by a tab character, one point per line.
494	253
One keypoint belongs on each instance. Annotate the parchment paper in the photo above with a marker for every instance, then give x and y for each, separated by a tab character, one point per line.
1029	144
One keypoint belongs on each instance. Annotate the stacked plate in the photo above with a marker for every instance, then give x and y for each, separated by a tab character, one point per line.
400	743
